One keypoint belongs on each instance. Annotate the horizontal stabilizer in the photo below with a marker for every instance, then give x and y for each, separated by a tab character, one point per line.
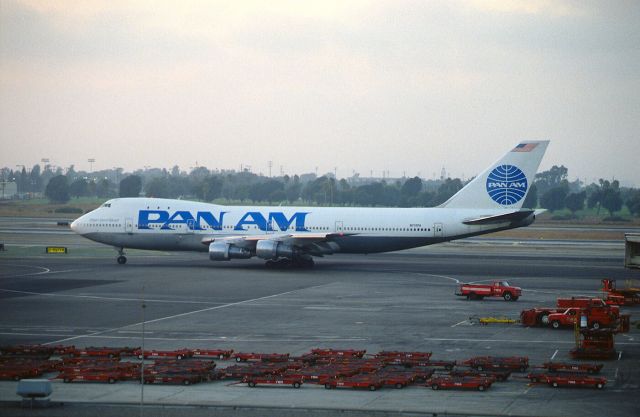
513	216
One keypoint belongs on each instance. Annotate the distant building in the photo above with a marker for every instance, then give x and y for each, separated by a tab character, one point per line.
8	190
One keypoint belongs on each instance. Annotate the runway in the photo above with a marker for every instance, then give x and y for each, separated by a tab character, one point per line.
397	301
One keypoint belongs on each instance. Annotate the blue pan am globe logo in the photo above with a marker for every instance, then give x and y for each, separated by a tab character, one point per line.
507	184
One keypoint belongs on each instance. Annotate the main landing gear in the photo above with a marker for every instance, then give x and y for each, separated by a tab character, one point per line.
121	258
284	263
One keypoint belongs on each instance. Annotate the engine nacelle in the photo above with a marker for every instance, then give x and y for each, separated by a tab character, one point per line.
271	249
223	251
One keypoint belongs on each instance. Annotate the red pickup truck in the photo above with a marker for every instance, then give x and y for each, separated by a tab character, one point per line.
596	317
495	289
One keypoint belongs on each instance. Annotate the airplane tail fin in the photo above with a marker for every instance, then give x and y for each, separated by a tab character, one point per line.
504	184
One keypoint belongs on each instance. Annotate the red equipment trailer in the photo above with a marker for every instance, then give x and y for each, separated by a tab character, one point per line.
213	353
495	374
495	289
16	374
434	363
184	379
104	376
109	352
260	357
398	380
282	380
514	363
590	368
154	354
339	352
447	382
396	356
370	382
560	380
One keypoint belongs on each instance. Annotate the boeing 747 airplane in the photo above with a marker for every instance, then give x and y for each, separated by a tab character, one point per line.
491	202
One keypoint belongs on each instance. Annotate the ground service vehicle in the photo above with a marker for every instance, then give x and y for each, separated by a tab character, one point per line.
620	296
495	289
596	317
581	302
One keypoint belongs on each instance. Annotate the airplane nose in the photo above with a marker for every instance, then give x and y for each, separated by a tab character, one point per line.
74	225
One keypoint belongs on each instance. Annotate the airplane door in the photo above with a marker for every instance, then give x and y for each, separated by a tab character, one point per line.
191	226
270	226
339	226
128	225
438	230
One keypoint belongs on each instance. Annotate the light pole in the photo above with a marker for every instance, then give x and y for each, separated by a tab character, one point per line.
91	161
142	357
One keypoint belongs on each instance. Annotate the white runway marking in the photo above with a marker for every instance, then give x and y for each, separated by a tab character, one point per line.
554	354
564	342
95	297
188	313
44	271
457	324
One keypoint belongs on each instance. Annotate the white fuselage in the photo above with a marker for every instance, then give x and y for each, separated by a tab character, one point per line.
162	224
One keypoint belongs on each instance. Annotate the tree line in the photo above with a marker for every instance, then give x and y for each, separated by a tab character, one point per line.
550	189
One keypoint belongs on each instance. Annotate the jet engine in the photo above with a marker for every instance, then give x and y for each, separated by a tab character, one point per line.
223	251
271	249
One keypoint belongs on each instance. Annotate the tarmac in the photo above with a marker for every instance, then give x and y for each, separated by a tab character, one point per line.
396	301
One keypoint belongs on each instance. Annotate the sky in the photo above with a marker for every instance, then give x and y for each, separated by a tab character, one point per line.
404	87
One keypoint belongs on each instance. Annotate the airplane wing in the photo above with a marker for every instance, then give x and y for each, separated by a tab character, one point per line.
315	243
513	216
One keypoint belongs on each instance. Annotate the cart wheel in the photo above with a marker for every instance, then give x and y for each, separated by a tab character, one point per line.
140	356
372	387
554	384
238	359
221	356
595	325
399	386
544	318
251	384
435	387
523	368
110	355
186	382
66	380
327	386
480	368
179	357
296	384
16	377
112	381
481	387
599	385
507	296
555	324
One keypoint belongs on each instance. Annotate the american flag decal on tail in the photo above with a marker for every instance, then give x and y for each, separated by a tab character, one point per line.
524	147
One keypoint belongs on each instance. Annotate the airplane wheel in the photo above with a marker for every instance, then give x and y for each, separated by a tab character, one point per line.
122	259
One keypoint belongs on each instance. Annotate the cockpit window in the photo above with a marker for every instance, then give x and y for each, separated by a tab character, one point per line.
106	205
